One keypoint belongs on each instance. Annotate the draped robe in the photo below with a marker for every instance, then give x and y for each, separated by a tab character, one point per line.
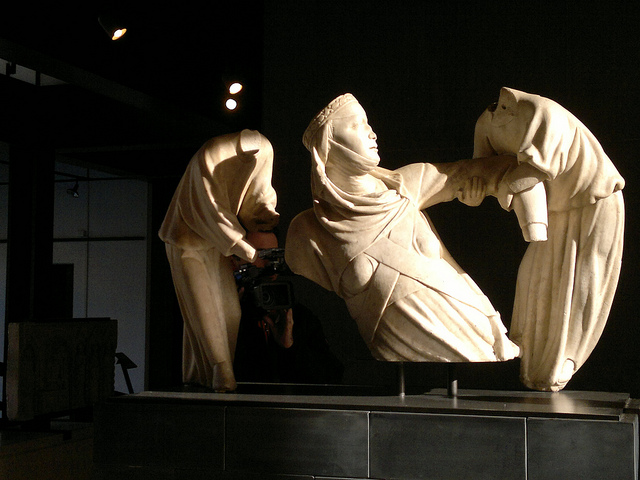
381	254
223	190
565	285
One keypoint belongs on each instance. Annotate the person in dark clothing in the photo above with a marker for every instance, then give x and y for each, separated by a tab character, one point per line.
284	345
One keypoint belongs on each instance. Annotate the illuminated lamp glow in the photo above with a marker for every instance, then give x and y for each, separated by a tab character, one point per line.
118	33
112	26
231	104
235	88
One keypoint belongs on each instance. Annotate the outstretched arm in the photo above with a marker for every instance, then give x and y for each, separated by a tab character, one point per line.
443	182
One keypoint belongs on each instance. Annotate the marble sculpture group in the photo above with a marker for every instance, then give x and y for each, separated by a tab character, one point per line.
368	238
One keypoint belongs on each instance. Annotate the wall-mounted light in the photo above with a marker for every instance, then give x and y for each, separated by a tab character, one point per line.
74	191
114	28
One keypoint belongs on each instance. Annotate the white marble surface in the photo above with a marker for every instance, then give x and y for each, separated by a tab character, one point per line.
565	284
225	192
367	239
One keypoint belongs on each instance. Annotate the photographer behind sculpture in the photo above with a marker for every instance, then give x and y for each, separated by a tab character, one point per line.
278	340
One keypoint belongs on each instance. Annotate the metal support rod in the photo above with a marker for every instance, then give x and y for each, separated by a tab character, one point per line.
452	380
401	385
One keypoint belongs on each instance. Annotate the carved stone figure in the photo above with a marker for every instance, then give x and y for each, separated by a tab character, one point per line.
367	239
225	192
565	284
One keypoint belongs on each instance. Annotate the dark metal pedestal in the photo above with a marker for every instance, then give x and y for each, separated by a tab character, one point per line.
352	434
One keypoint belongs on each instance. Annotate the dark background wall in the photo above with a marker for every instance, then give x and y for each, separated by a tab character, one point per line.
424	72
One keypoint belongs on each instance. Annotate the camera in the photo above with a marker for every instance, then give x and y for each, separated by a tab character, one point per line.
258	283
272	295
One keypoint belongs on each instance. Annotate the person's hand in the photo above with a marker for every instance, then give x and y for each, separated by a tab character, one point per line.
473	192
281	326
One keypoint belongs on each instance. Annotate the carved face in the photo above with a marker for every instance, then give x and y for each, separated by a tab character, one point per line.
352	130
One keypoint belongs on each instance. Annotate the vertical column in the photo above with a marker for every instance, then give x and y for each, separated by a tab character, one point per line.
29	239
30	233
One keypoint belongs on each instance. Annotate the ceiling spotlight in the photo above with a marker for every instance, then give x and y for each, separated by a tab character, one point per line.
112	26
231	104
74	191
235	87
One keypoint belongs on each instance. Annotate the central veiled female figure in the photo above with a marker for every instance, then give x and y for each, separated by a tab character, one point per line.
367	239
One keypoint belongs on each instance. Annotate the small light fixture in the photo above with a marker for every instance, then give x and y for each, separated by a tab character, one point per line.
231	104
235	87
74	191
112	26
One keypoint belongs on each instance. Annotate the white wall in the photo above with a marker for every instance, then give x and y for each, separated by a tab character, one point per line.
103	234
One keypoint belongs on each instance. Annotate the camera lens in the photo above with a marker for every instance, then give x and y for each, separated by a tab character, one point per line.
273	295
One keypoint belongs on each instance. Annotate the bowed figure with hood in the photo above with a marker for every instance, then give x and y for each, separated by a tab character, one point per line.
568	276
225	192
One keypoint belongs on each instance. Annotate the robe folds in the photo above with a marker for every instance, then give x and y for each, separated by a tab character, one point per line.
381	254
565	285
225	191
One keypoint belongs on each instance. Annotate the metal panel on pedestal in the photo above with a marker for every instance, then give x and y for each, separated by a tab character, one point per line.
425	446
582	449
297	441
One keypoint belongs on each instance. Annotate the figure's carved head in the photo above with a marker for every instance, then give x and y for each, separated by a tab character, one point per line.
258	216
350	128
258	205
249	143
505	109
341	135
309	138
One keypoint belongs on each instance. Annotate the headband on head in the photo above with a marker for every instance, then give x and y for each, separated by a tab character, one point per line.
322	117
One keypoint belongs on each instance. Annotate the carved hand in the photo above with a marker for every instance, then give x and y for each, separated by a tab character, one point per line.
473	192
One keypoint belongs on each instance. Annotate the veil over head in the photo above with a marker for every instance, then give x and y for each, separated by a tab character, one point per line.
318	132
356	220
